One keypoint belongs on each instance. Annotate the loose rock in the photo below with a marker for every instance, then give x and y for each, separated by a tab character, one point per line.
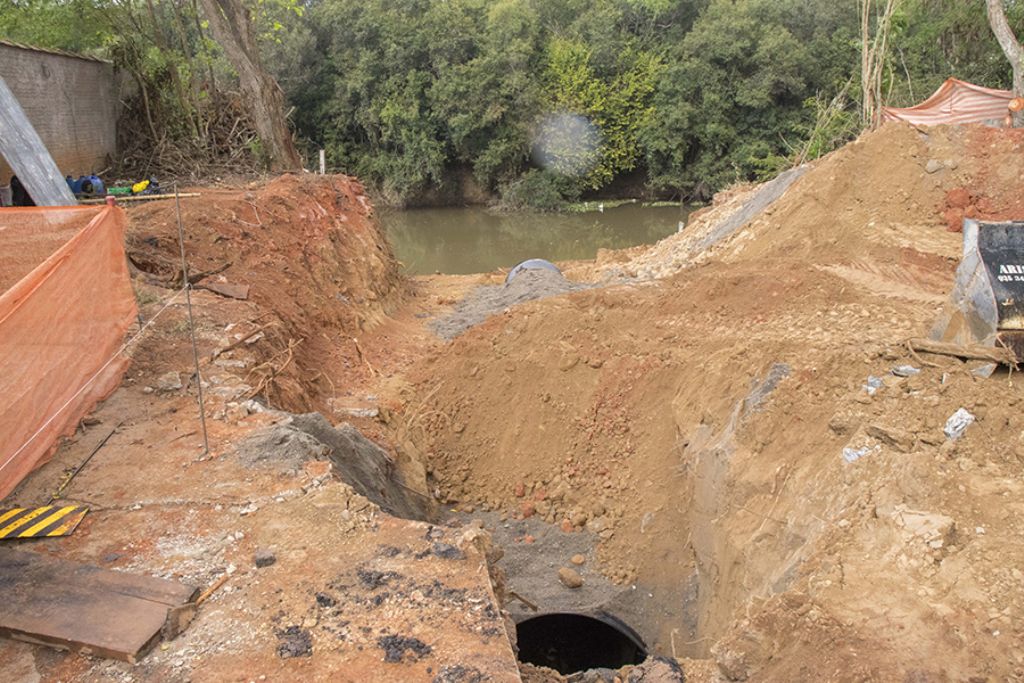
570	578
265	558
897	438
295	641
168	382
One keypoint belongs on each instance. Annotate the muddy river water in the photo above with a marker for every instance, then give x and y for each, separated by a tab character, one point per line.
473	239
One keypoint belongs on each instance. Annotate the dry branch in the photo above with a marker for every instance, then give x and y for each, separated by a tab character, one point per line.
972	352
273	372
196	278
235	345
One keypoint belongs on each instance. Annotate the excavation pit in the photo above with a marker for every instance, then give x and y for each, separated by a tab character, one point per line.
570	642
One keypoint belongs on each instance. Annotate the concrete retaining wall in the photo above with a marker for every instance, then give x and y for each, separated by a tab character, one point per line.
70	100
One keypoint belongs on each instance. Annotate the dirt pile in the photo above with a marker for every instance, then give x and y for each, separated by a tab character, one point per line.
893	188
699	426
313	259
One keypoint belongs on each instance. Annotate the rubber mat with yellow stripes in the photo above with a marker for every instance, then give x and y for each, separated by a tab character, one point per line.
49	520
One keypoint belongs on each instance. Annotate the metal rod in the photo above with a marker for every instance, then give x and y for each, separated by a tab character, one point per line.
191	320
67	481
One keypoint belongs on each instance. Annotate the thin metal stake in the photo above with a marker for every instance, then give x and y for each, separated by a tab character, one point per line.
191	320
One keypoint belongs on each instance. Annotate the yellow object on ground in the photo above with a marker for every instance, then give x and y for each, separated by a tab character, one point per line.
49	520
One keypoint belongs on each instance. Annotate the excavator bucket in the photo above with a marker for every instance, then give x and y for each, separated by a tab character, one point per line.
987	303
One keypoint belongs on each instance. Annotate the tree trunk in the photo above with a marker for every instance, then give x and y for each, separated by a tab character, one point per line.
232	26
1011	48
873	58
867	105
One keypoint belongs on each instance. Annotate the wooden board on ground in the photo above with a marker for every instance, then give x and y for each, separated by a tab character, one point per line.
84	608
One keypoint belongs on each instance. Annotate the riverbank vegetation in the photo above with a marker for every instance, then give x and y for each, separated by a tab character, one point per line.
675	97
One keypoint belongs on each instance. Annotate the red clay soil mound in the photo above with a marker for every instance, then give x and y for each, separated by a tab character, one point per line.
311	253
994	191
893	185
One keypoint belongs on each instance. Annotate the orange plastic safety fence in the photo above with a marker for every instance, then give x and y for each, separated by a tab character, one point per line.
63	317
955	102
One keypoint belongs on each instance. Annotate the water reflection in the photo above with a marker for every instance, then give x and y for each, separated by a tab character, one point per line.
473	240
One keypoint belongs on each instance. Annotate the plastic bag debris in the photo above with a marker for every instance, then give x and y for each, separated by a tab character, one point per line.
957	423
905	371
873	385
984	371
854	454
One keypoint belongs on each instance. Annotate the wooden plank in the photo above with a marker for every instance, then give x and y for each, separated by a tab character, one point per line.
170	593
993	354
136	197
80	607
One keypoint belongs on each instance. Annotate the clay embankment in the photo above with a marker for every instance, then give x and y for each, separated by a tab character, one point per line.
697	425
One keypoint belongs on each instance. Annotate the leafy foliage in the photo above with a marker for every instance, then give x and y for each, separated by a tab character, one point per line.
74	25
734	92
616	104
685	95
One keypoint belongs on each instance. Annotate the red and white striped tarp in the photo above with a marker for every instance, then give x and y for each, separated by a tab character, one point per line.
956	102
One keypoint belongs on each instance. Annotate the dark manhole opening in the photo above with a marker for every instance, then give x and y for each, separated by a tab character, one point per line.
568	642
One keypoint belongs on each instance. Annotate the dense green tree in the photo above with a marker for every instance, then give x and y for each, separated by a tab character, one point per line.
616	105
485	101
74	25
730	104
384	59
935	39
541	101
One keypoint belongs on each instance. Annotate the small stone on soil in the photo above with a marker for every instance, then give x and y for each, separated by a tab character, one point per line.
660	669
265	558
170	381
897	438
578	560
295	642
373	579
570	578
458	674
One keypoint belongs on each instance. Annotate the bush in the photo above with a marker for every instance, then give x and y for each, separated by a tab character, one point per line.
538	190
